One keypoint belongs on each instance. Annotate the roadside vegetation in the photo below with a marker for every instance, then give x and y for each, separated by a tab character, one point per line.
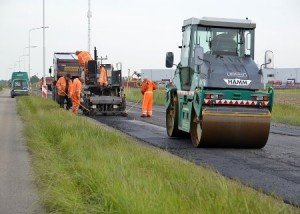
286	106
286	114
81	167
135	95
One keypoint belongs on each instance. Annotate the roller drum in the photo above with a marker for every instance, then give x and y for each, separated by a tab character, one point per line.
235	127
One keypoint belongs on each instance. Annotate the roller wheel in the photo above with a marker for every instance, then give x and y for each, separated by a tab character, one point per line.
172	119
196	130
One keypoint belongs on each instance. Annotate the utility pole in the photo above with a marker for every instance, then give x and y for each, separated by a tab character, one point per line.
29	45
44	87
89	16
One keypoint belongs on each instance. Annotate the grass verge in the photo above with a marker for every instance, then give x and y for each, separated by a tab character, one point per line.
287	91
81	167
286	114
135	95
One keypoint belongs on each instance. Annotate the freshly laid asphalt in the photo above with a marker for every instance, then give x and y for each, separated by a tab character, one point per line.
18	193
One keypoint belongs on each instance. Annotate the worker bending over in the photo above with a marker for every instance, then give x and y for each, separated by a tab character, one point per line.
77	87
65	91
147	90
83	58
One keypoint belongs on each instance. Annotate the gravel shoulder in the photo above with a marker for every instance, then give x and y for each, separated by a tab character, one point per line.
18	193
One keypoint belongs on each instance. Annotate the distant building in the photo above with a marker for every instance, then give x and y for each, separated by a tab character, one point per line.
158	74
282	76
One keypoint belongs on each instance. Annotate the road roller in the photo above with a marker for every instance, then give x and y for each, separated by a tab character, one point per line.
217	96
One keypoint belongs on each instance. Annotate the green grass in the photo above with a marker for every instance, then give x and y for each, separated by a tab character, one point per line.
81	167
135	95
286	114
287	91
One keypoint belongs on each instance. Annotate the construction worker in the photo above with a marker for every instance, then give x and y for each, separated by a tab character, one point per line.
77	87
83	58
147	90
65	90
103	76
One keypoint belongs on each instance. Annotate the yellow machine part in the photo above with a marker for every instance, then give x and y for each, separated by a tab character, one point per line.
235	129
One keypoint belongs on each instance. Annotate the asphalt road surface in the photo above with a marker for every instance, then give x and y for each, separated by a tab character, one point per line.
273	169
17	189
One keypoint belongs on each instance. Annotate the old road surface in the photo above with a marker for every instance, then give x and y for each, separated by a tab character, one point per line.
17	190
273	169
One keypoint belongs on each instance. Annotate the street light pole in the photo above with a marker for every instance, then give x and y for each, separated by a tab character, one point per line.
89	16
24	59
29	50
44	43
20	61
31	46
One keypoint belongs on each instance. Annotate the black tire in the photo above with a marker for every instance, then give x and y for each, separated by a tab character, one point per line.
196	130
172	119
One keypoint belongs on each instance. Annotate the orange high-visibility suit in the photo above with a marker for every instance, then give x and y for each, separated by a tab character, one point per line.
77	87
147	90
64	92
103	76
61	87
83	58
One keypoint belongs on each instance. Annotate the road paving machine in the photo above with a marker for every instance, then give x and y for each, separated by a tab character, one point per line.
103	100
217	95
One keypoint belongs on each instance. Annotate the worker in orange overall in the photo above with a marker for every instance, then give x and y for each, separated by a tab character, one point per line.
77	87
65	90
147	90
103	76
83	58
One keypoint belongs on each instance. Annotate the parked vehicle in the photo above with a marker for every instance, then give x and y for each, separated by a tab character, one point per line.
19	84
63	63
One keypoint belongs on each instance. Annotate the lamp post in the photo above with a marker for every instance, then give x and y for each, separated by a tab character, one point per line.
20	61
89	16
33	46
29	50
44	89
15	66
31	29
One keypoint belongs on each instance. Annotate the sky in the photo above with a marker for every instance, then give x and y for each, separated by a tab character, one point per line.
137	33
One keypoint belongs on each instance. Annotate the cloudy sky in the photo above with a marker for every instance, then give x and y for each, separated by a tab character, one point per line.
137	33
